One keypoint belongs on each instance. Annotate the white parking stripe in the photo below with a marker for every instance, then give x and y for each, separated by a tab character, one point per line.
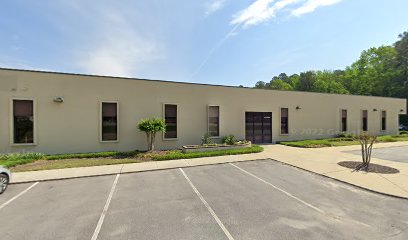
281	190
18	195
105	209
227	233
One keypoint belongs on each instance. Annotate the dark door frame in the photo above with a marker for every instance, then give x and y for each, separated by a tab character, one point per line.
252	137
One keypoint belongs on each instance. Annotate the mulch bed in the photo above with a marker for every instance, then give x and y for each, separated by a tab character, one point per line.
373	168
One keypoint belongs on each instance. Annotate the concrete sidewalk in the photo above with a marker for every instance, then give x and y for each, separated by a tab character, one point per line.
322	161
57	174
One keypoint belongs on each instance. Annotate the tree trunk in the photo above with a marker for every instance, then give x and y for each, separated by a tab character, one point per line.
149	145
153	136
367	143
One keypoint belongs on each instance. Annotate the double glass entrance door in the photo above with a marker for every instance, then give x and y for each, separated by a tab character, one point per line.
258	127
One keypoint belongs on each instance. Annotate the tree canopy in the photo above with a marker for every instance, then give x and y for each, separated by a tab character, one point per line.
380	71
151	126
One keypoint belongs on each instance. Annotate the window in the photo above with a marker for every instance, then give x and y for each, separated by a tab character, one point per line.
214	121
344	120
23	121
170	118
383	120
284	121
365	120
109	121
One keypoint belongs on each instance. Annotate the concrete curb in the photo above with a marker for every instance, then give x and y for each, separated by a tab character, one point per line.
348	183
136	171
204	164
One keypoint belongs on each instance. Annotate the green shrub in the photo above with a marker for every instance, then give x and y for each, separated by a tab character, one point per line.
206	139
21	156
342	139
311	143
341	135
85	155
177	154
387	139
345	135
230	140
403	132
14	159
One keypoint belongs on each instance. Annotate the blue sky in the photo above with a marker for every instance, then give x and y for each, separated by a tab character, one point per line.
228	42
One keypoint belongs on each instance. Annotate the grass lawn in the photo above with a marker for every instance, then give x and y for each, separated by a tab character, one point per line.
70	163
336	142
37	161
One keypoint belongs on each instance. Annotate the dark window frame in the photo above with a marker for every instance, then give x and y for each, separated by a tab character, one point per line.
383	120
209	121
101	119
364	120
13	119
344	120
284	122
166	120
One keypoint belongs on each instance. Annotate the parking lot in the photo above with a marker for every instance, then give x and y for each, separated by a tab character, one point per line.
260	199
397	154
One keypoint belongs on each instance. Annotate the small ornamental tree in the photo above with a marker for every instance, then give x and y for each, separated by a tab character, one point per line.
151	126
366	141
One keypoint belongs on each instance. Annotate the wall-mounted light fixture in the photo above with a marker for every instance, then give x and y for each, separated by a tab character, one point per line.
375	110
298	108
401	110
58	99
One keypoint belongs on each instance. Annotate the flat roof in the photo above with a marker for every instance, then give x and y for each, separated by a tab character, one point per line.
190	83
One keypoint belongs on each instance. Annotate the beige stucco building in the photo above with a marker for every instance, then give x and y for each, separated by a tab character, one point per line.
65	113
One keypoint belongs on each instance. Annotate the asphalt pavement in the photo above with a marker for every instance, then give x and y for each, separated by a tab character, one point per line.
260	199
397	154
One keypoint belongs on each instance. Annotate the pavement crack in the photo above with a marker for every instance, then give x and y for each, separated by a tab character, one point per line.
392	183
121	169
335	171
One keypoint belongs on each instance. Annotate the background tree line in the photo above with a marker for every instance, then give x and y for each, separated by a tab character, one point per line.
380	71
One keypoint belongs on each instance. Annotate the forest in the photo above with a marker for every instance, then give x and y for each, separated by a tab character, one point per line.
380	71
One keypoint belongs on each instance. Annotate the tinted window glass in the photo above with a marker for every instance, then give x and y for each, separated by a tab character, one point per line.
344	120
214	120
383	120
109	122
170	117
284	121
23	121
365	120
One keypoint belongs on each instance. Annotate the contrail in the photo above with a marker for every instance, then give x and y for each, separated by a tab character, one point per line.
216	47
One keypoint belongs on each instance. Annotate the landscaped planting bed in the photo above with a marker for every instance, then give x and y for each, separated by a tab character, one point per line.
215	147
372	168
36	161
341	141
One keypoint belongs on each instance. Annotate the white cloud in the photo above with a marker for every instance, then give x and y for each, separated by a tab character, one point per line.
260	11
117	48
264	10
257	12
118	57
311	5
214	5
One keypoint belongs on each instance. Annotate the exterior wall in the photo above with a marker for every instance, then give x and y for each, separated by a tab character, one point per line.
74	125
